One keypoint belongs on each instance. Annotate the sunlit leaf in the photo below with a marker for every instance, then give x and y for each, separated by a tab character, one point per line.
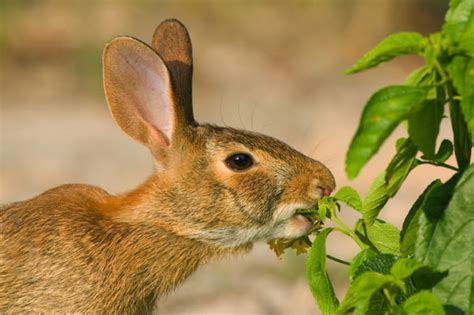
390	47
382	113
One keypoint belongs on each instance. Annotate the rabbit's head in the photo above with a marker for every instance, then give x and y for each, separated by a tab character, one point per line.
221	185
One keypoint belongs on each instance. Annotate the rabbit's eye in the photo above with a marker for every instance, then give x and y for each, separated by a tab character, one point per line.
239	161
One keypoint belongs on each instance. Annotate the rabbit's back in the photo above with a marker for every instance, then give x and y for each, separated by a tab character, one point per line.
46	240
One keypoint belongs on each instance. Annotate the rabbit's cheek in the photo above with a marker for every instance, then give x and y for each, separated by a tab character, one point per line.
295	227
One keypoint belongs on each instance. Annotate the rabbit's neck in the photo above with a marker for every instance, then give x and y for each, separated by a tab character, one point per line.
152	258
148	263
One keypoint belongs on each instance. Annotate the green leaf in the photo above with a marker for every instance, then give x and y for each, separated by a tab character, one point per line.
418	76
359	295
467	101
401	164
349	196
444	152
466	44
380	263
437	198
318	279
406	43
405	267
325	205
410	224
375	199
461	71
423	303
382	113
358	260
385	237
423	126
446	242
459	19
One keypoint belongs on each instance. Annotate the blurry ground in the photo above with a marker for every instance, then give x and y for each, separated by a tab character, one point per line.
273	67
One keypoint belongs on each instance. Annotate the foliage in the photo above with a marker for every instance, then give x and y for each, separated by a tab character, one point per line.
427	266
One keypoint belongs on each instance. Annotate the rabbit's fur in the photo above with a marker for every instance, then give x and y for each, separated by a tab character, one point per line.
76	248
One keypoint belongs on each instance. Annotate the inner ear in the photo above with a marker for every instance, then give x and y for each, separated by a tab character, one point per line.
139	92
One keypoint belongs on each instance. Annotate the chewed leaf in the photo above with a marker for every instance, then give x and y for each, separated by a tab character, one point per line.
383	112
392	46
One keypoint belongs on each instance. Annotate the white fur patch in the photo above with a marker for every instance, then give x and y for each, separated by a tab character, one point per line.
284	224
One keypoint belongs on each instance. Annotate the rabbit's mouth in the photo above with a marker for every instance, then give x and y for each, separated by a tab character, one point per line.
289	224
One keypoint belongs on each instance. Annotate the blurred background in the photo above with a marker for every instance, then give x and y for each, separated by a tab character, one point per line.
268	66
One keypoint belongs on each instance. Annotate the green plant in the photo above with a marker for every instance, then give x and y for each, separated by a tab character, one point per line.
427	266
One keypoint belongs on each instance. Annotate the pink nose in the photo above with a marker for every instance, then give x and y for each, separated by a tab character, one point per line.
325	191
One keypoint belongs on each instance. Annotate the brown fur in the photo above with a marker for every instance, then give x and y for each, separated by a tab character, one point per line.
76	248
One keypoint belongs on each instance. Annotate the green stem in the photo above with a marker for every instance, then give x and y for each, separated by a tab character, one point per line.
389	297
338	260
345	230
441	71
439	164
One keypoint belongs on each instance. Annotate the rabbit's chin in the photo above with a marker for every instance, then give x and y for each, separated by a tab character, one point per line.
296	226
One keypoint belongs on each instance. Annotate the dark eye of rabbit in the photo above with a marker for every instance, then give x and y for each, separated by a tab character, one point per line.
239	161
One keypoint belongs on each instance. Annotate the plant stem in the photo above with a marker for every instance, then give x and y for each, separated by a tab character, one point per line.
453	168
441	71
389	297
345	230
338	260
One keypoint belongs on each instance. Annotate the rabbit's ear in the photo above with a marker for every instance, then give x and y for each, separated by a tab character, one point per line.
171	41
139	91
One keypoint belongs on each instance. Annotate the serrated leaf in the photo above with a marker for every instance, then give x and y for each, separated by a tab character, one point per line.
444	152
380	263
318	279
349	196
446	242
399	167
359	295
459	19
423	303
358	260
382	113
410	224
423	126
406	43
385	237
375	199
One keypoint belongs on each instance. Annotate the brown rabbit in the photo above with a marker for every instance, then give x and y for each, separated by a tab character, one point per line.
215	191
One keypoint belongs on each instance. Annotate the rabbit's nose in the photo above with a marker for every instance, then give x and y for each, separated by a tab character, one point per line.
323	191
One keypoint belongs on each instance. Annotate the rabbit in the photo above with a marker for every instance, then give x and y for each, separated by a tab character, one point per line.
214	192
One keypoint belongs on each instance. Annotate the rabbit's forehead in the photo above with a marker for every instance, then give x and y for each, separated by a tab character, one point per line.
228	139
